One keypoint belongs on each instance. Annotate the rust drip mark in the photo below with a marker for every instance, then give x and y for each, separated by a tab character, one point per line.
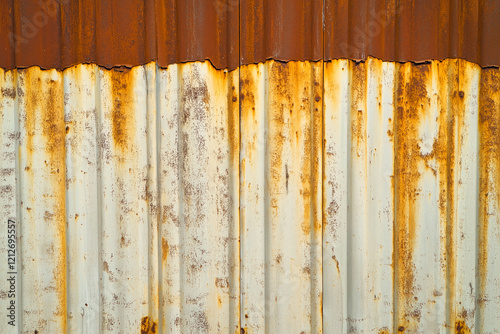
461	327
164	249
489	167
233	119
148	326
281	84
412	102
316	110
122	113
449	129
303	123
287	176
334	258
248	112
358	116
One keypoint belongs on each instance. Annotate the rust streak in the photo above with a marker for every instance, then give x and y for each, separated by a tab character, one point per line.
123	111
489	167
412	101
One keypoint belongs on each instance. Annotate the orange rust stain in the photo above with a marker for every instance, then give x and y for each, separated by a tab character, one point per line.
164	248
219	302
489	167
148	326
412	102
123	111
461	327
413	106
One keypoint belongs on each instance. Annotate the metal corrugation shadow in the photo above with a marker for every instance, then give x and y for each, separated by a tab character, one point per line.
364	196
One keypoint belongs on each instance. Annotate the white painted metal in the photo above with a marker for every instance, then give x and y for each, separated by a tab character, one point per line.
281	115
367	193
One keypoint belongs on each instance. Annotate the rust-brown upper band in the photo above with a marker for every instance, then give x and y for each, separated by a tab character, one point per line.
60	33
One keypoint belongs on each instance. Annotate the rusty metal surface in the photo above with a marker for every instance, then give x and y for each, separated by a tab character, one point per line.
299	197
281	29
113	33
409	30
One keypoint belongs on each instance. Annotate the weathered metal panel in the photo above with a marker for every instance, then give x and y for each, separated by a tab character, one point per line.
281	117
358	198
115	232
367	193
199	190
410	149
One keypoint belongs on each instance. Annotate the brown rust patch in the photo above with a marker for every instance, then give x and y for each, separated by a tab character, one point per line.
148	326
222	282
461	327
9	92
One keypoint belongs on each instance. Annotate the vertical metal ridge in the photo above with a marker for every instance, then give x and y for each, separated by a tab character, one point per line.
98	141
159	206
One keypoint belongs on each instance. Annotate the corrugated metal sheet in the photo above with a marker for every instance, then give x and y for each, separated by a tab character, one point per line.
124	188
302	197
61	33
